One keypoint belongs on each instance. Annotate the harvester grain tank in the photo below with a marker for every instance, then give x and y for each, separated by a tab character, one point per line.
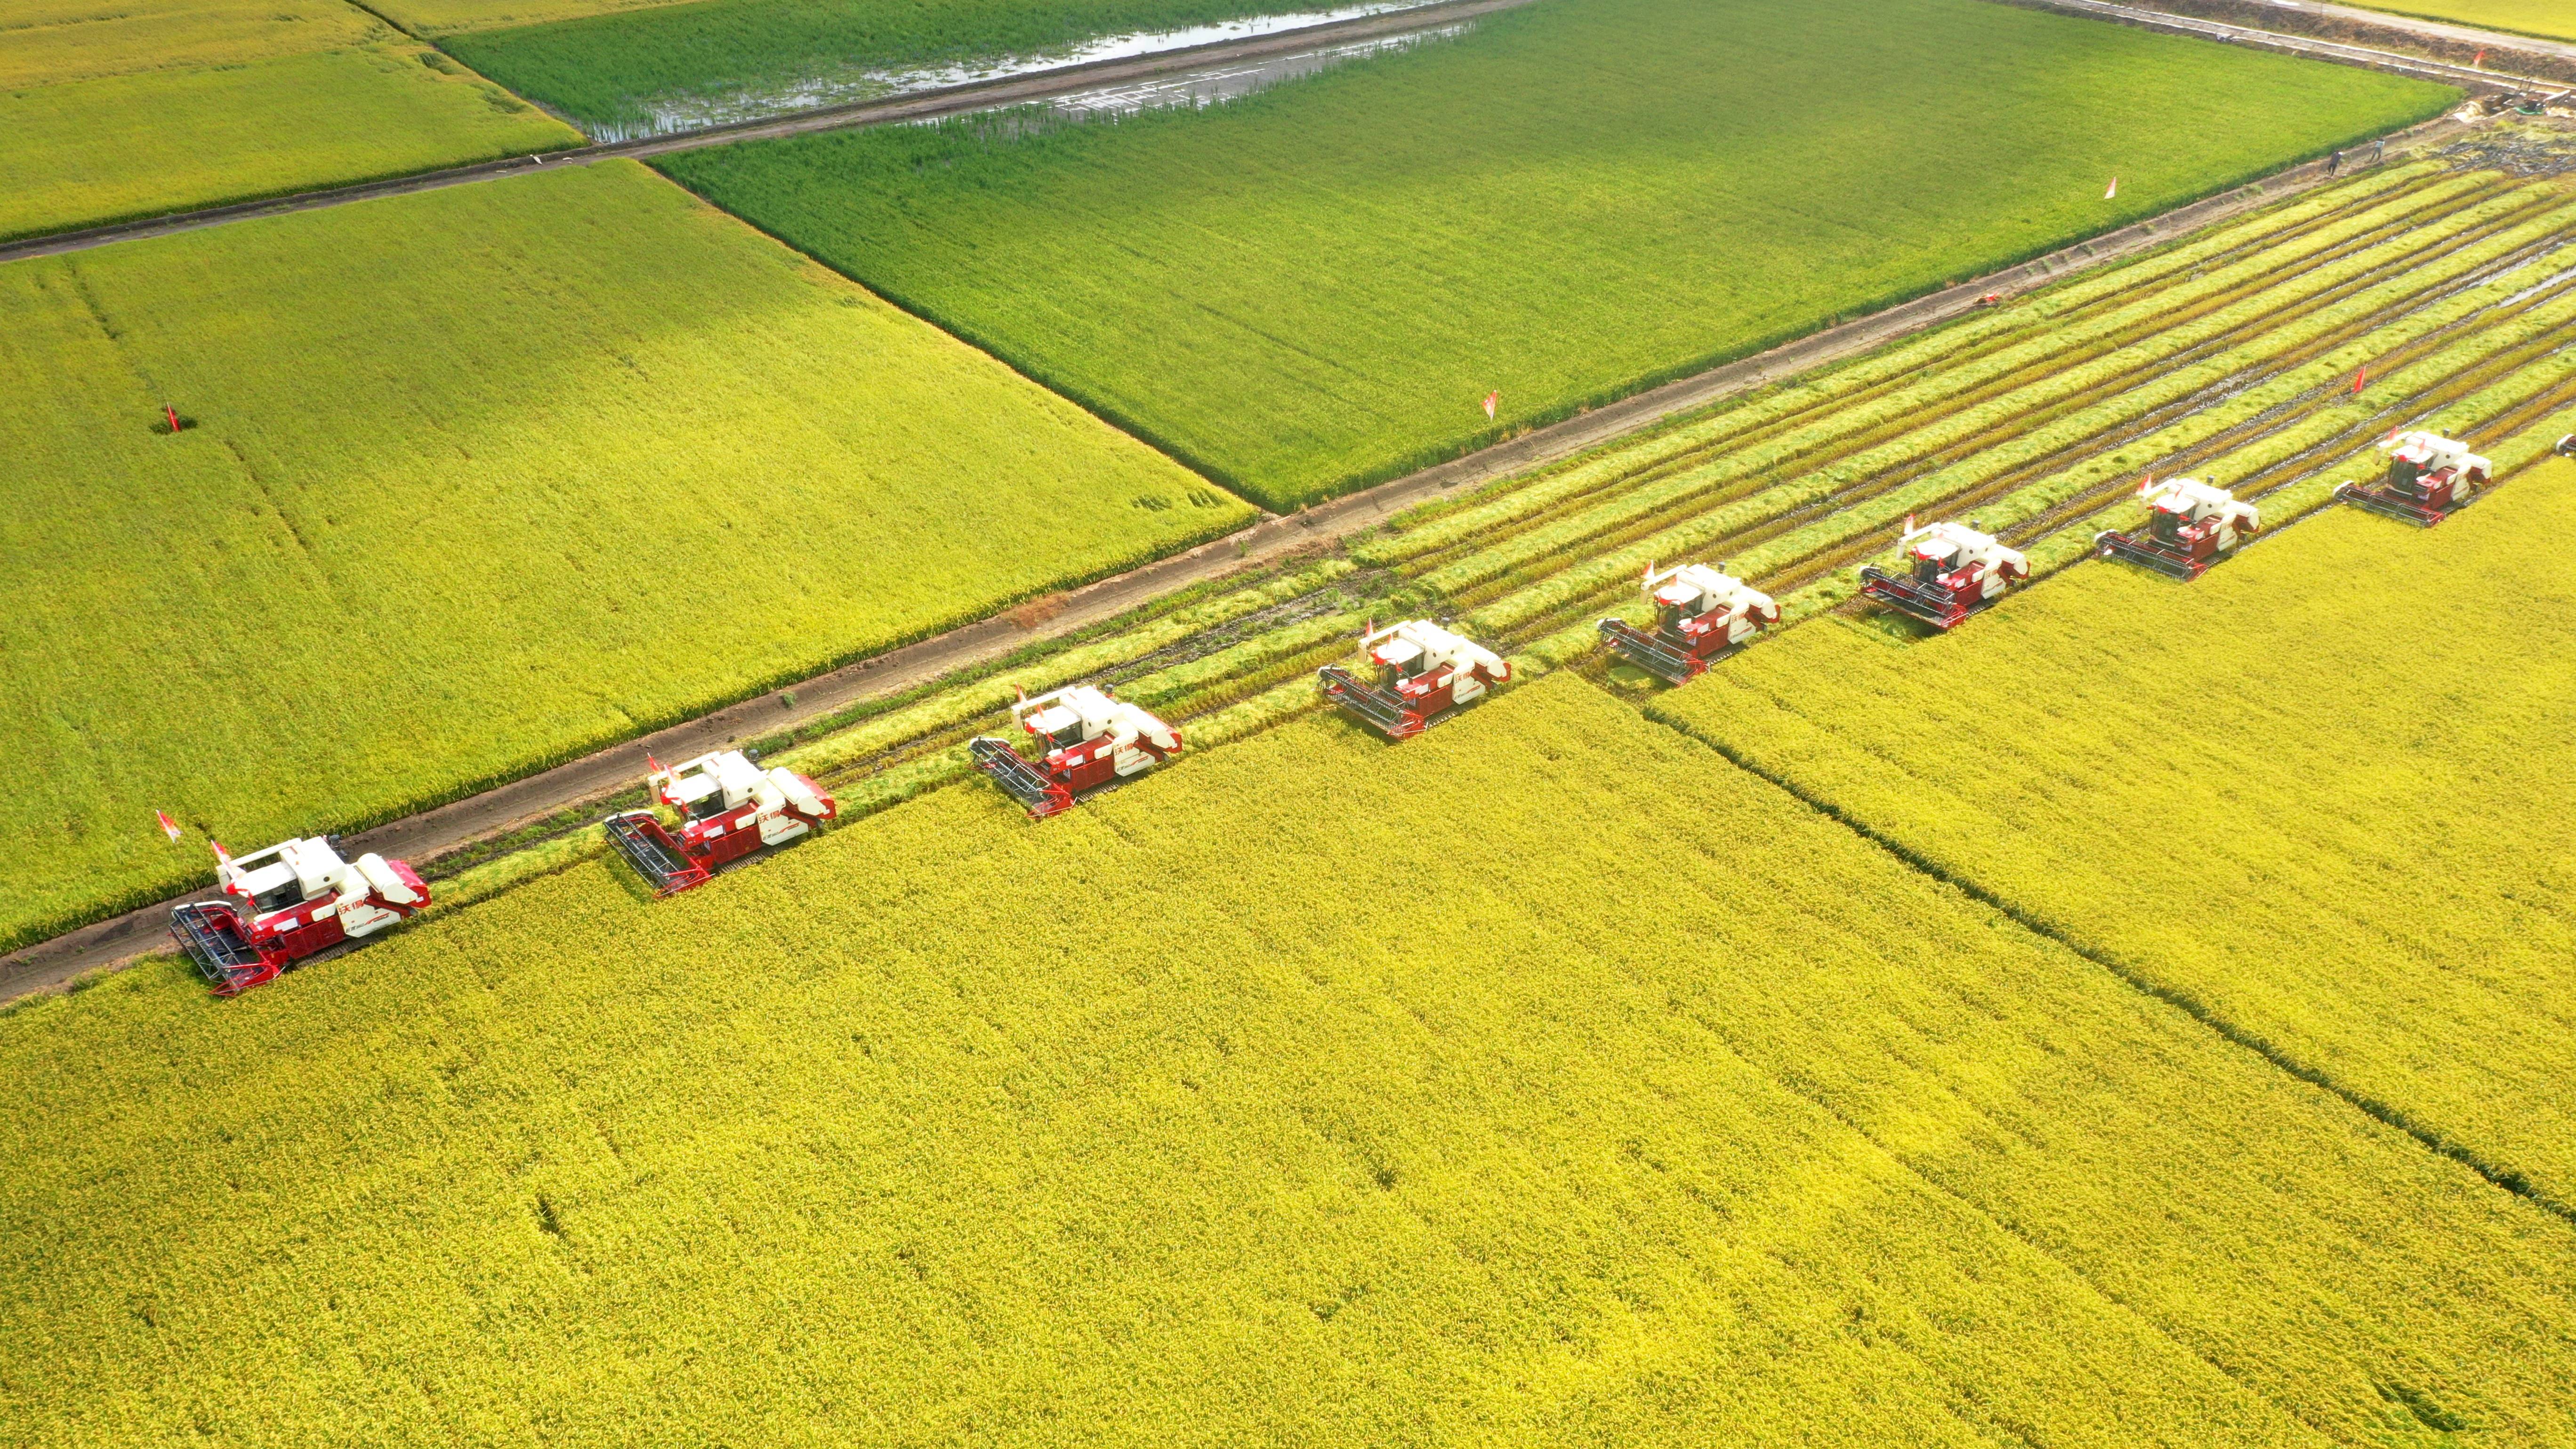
1085	739
1423	672
2190	525
1702	614
2566	447
729	808
288	903
1952	571
2429	478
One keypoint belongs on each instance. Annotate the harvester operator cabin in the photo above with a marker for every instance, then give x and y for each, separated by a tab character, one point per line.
1431	722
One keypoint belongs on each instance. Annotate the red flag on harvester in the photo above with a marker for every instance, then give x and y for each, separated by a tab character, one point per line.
2114	193
653	765
2360	379
223	857
1492	400
169	827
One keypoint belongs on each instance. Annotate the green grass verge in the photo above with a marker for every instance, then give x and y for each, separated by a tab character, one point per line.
480	480
1313	288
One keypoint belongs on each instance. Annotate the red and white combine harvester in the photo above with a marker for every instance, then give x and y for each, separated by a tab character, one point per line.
2429	478
729	807
286	904
2190	525
1087	740
1423	672
1702	614
1955	571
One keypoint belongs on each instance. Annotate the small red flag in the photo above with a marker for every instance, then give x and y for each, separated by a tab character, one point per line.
653	765
174	417
2360	379
1492	400
2480	62
223	857
2114	193
169	827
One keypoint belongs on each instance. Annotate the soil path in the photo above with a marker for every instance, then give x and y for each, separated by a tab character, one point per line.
1038	85
2364	23
423	837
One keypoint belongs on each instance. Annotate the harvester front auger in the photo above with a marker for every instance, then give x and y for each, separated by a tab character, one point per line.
1423	672
729	808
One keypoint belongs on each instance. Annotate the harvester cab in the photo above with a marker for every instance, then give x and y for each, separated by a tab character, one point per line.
291	901
1702	614
1085	740
1952	570
1422	672
729	807
2190	525
2429	478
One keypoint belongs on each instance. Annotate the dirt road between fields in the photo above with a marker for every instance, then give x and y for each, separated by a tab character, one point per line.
2435	51
423	837
1031	86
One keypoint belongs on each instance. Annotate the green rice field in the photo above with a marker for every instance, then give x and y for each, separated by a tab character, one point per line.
1315	287
610	72
168	105
475	481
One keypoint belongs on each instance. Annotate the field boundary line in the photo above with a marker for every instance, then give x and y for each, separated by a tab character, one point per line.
918	106
2183	1001
470	819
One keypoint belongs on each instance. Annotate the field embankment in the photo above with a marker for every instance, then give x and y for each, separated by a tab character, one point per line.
470	483
1315	287
169	105
1547	1077
2548	19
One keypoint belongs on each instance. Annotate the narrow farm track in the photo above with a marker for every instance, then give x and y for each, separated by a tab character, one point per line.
2407	239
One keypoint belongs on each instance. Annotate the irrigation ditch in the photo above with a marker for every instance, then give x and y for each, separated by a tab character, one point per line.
2198	350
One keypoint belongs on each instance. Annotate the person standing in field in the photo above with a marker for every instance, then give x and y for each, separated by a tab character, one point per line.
2334	163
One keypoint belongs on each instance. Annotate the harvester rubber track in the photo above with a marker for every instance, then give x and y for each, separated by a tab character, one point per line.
210	933
647	845
1383	711
1650	653
1019	779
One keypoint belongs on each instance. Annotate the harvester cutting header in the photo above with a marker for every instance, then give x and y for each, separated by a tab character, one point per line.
1702	614
1954	571
729	807
1088	740
1423	672
2190	525
2429	478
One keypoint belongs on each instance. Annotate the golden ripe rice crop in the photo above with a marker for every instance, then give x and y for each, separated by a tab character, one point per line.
479	480
1544	1080
2322	795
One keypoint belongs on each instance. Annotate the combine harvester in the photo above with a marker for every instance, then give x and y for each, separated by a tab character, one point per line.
2429	478
1956	571
729	808
1423	672
2190	525
1702	614
290	903
1090	741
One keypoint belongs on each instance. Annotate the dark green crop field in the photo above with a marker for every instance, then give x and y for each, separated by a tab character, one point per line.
610	71
1315	287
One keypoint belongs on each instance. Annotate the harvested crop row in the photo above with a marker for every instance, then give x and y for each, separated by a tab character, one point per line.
2013	427
1823	416
2142	411
2366	876
1231	1106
